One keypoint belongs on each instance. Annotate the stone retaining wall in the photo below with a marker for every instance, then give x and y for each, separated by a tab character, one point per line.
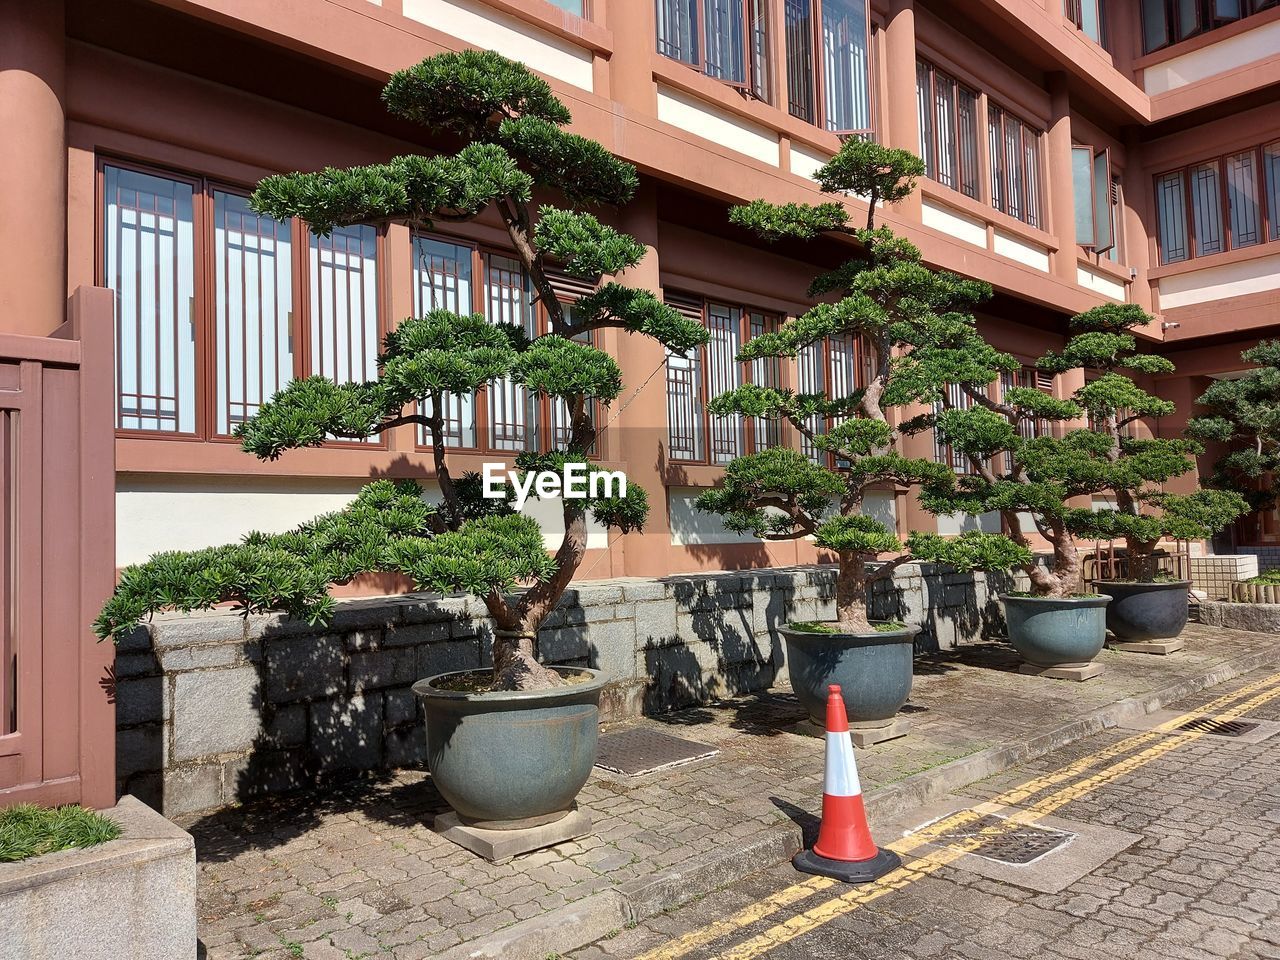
217	708
1254	617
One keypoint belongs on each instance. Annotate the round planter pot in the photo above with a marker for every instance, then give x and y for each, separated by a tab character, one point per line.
872	669
511	759
1057	632
1146	611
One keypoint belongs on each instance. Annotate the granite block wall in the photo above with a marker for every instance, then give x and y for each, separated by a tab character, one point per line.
218	708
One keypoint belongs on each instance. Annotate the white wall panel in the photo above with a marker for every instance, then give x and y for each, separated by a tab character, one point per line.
1100	283
950	525
687	112
1252	45
806	161
953	223
155	514
1219	283
490	30
1031	254
689	525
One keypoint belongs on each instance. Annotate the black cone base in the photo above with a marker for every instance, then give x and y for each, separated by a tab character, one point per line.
848	871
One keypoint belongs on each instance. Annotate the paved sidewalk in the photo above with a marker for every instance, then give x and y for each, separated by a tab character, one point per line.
355	871
1175	856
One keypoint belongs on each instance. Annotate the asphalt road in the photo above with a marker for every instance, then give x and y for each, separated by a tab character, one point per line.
1158	844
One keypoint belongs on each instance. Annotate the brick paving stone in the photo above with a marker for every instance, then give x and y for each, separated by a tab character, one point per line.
356	866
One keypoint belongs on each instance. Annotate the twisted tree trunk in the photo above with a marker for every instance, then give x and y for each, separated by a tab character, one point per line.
1065	575
1143	565
515	660
851	594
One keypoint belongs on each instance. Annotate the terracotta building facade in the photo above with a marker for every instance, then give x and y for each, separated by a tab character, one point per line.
1077	152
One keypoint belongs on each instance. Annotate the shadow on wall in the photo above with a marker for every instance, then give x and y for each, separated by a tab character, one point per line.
214	710
207	717
952	609
719	639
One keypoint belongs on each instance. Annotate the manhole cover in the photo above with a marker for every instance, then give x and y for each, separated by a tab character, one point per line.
640	750
1218	728
999	839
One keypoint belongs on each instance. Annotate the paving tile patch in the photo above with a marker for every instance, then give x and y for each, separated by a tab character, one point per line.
1231	731
356	870
1055	852
638	749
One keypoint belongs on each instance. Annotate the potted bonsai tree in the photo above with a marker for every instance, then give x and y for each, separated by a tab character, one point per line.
1243	415
888	298
1148	605
1026	463
1033	460
512	747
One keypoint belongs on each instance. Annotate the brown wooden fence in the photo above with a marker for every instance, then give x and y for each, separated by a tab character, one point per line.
57	514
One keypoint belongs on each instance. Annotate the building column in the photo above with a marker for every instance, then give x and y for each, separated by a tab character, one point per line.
631	66
33	166
902	125
1062	214
637	435
1139	224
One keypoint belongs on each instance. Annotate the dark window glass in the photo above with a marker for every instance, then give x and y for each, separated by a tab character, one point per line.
833	88
1242	199
725	39
149	264
1155	24
1015	166
1168	21
709	371
1089	16
1271	164
948	129
1171	210
1206	206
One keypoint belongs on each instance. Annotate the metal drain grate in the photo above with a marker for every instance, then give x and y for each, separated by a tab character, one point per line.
1218	728
640	750
997	838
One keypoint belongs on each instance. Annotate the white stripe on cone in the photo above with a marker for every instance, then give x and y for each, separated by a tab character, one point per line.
841	779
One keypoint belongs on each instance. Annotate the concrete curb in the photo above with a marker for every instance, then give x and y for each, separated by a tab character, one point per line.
579	924
562	930
702	874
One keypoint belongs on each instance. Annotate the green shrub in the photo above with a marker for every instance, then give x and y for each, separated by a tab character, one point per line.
1033	477
28	831
889	299
515	148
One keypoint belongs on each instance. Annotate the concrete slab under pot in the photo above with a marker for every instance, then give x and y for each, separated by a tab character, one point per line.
874	671
511	762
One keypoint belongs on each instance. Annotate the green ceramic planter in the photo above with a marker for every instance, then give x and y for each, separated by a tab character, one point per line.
874	671
1057	632
511	759
1146	611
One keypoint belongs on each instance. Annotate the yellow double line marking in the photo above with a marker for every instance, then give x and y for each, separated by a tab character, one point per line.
929	862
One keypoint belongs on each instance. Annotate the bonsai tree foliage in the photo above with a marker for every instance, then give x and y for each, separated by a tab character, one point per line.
1030	470
886	296
515	144
1244	414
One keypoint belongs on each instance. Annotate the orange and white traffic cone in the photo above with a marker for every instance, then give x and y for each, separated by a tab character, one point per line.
845	850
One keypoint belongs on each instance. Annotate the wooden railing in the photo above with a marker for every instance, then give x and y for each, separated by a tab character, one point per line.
57	519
